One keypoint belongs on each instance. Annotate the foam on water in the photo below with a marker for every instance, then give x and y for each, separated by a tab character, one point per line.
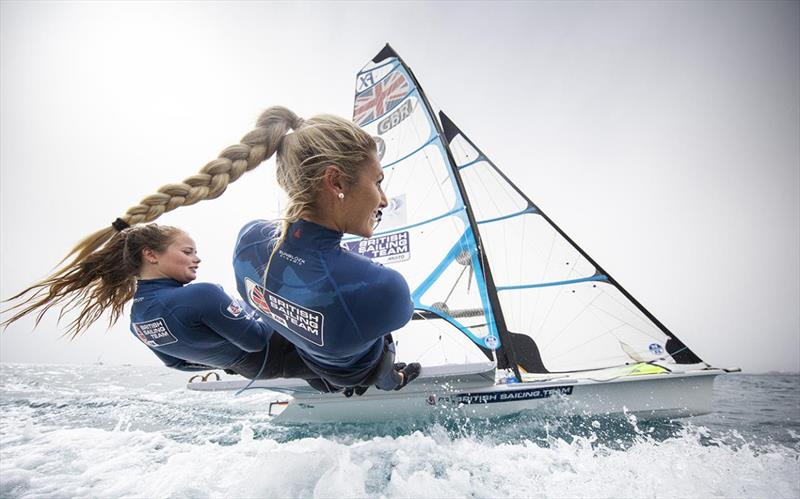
144	436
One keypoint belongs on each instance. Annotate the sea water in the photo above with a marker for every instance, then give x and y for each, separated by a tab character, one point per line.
110	431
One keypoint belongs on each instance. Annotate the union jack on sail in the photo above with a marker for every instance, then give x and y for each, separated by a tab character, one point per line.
377	100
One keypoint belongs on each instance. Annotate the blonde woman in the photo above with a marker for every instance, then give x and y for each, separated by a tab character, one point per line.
337	309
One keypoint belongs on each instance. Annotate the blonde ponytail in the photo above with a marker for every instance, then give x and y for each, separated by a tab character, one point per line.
98	278
255	147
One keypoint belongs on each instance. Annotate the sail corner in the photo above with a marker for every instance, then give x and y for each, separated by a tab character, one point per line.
386	52
448	127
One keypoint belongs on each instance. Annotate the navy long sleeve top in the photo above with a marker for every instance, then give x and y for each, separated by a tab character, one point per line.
333	305
196	326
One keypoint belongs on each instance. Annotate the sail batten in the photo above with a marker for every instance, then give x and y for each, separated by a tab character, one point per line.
557	283
530	209
423	146
473	162
407	227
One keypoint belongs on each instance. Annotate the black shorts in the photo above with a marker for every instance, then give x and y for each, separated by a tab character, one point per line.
382	371
283	362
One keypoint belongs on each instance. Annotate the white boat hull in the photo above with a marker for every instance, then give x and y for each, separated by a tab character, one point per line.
473	393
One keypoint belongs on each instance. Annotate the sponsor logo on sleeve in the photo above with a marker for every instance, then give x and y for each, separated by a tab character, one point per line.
234	309
154	333
391	248
306	323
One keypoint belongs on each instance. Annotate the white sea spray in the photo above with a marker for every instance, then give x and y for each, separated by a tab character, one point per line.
90	462
158	441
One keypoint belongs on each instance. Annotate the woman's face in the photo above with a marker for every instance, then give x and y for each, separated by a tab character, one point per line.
179	261
363	200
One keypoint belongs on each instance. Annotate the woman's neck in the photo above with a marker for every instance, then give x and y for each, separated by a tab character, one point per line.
327	222
148	272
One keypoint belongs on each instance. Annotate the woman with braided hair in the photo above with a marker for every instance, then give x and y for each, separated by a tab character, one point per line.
336	308
190	328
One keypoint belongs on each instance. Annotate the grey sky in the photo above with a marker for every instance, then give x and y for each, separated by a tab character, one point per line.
663	137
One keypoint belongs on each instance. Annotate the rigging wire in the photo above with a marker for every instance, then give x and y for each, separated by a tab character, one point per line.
645	333
458	279
572	321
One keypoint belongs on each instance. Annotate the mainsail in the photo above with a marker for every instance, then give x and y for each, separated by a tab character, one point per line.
482	260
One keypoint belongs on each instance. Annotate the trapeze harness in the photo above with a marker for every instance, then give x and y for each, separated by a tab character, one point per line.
198	327
338	308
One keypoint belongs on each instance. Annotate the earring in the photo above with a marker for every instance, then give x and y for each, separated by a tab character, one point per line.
341	195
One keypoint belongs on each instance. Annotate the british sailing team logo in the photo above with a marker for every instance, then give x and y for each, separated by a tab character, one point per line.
154	333
384	95
391	248
300	320
255	295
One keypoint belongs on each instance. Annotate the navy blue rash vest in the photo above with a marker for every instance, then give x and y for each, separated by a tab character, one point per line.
195	327
335	306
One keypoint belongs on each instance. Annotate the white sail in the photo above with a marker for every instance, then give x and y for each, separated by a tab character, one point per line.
479	255
550	290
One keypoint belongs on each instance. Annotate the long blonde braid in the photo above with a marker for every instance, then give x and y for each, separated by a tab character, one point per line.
101	276
256	146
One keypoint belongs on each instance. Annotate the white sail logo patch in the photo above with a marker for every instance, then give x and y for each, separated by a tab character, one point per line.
370	78
397	116
394	215
302	321
391	248
381	145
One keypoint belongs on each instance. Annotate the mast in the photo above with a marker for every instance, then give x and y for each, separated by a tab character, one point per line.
506	357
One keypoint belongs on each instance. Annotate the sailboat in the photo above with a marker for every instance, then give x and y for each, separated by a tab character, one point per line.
510	314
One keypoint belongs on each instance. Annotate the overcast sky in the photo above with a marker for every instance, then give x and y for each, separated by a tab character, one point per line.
663	137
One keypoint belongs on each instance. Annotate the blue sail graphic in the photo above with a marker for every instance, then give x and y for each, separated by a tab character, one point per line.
436	223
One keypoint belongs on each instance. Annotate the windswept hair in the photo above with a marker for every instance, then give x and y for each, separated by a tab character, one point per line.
104	280
102	272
